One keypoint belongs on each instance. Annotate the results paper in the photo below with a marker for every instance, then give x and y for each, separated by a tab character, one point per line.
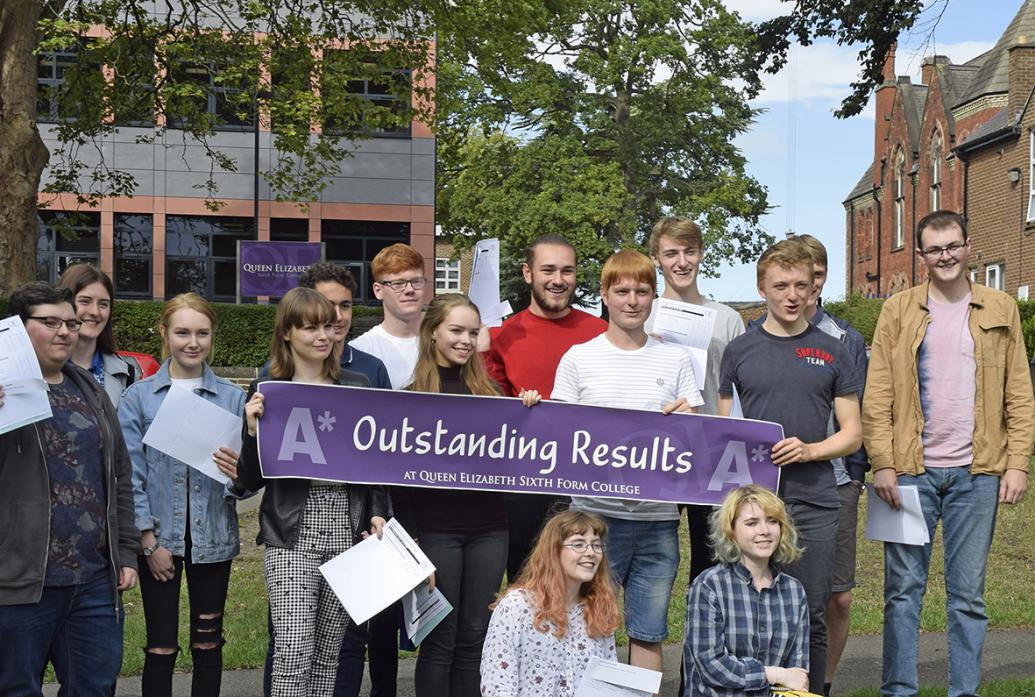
485	283
688	325
373	574
191	428
25	391
423	609
606	678
905	526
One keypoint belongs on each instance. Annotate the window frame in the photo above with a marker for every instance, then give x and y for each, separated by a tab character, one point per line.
898	230
445	267
52	254
209	258
998	270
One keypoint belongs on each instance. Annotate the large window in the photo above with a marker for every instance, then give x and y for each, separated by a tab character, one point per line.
289	229
66	239
133	244
377	86
58	83
204	91
937	155
1031	177
447	275
354	243
201	255
899	231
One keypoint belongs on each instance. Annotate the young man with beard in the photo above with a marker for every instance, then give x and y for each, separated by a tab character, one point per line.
66	513
399	284
677	249
949	409
627	368
524	353
789	372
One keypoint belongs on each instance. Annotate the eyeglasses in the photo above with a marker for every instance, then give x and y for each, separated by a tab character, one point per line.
934	253
400	285
54	323
580	547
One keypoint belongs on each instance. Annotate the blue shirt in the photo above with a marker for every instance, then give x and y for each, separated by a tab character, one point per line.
734	631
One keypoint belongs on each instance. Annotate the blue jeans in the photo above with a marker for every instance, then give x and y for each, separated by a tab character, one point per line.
643	556
80	631
966	504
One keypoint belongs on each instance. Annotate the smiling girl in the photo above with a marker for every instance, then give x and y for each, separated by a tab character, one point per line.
560	614
304	523
464	533
747	622
188	520
93	296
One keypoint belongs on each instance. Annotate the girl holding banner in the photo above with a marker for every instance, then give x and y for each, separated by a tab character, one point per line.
187	519
464	533
747	622
561	613
303	522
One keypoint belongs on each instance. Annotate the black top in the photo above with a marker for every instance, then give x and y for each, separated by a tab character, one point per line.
451	511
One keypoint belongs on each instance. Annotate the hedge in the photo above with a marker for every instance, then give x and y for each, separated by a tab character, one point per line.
242	331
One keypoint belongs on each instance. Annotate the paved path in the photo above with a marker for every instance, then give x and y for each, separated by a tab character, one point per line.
1008	654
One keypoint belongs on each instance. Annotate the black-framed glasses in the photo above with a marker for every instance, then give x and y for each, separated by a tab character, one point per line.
934	253
54	323
400	285
581	547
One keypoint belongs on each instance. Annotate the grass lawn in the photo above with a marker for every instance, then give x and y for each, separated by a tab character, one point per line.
1009	599
997	688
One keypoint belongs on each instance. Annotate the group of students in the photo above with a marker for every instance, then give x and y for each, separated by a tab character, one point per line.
87	508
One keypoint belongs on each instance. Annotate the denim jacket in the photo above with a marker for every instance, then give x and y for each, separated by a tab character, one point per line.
162	485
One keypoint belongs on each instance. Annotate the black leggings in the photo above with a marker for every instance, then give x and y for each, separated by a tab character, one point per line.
206	588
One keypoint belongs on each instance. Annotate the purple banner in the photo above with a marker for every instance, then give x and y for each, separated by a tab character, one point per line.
367	436
273	268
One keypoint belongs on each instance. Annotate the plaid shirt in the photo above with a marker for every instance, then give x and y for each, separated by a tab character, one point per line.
734	631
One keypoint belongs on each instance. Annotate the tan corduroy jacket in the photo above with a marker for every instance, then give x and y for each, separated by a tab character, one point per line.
1004	405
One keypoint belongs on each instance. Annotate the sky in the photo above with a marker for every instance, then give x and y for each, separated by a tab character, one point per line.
830	155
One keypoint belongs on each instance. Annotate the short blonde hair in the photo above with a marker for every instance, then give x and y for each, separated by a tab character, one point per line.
680	230
815	249
724	541
786	254
628	263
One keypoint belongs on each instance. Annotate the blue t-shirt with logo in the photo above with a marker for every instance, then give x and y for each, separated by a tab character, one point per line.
792	381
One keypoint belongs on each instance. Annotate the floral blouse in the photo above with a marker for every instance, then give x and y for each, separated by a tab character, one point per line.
520	661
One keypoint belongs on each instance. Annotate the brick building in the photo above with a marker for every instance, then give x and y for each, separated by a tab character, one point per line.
962	139
164	240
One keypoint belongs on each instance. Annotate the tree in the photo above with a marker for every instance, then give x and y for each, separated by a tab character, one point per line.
596	118
159	67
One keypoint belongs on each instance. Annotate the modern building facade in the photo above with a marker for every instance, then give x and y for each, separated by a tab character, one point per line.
164	240
962	139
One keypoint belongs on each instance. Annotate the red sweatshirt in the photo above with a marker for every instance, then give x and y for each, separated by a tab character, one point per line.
525	351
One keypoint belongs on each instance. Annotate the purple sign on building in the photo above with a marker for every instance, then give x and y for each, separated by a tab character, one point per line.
366	436
273	268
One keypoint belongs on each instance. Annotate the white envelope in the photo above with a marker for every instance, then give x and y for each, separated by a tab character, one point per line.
905	526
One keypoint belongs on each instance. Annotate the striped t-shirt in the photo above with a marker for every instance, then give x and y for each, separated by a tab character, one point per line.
600	374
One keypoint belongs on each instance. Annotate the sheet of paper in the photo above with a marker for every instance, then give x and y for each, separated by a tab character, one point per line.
485	283
190	428
605	677
25	392
689	325
371	575
423	609
906	525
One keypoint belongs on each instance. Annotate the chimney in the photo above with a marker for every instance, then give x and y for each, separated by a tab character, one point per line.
1020	75
929	67
884	102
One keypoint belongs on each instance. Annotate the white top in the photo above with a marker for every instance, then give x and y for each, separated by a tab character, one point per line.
600	374
399	355
520	661
728	326
189	384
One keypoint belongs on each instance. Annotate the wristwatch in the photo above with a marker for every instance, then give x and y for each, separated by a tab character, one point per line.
148	551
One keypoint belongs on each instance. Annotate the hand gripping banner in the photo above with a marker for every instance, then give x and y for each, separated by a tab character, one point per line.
367	436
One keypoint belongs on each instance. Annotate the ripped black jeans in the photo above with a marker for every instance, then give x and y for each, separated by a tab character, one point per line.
206	590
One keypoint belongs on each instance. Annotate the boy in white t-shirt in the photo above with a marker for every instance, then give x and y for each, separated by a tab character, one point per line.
624	367
399	284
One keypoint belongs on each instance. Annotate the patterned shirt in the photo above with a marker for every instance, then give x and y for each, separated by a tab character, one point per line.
734	631
520	661
72	445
